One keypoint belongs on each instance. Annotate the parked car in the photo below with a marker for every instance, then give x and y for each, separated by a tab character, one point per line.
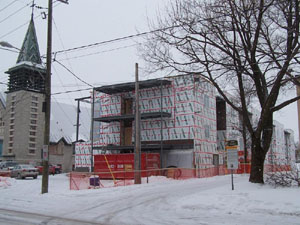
51	169
57	168
24	170
8	165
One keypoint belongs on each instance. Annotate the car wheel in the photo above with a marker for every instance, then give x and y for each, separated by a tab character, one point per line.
34	177
19	176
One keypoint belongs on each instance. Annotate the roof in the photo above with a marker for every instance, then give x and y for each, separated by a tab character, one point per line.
30	49
149	115
130	86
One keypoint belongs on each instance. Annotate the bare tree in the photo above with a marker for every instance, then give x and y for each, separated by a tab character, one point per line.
246	42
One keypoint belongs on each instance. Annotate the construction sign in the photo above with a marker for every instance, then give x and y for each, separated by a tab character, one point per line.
232	154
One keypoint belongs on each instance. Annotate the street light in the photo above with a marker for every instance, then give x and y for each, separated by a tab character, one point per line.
8	45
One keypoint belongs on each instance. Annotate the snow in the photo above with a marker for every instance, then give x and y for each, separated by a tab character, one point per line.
161	201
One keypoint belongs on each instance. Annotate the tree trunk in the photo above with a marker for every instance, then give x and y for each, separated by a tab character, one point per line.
257	162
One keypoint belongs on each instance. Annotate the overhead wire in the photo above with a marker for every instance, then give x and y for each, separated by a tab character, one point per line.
70	97
22	25
70	65
8	5
14	13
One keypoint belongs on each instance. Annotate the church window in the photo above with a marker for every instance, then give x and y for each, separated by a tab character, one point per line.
33	121
31	151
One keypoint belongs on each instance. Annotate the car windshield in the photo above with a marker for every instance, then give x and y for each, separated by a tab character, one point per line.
26	166
11	164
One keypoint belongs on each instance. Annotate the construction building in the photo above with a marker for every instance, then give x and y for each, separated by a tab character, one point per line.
189	129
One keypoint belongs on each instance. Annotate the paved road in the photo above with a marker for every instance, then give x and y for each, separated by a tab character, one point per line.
12	217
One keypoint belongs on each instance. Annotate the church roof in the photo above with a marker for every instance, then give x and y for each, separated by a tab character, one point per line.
30	49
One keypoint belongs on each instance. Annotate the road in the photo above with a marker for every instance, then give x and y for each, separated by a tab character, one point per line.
13	217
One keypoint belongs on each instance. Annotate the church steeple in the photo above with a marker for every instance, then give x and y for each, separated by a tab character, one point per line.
29	73
30	49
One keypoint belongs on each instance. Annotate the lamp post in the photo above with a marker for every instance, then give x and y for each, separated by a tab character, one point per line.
8	45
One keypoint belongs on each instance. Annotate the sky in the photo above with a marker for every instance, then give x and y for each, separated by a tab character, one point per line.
82	23
201	201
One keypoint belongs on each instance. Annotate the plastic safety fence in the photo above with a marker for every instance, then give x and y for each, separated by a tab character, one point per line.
276	168
80	181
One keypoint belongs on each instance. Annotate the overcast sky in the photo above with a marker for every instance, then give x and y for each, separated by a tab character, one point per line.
86	22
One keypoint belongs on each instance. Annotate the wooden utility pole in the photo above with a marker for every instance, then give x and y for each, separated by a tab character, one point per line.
78	113
47	103
92	131
137	152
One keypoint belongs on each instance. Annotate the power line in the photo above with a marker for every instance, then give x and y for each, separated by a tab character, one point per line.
8	5
99	52
22	25
14	13
66	54
78	90
115	40
72	73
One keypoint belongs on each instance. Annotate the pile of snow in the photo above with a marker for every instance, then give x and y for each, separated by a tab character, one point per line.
161	201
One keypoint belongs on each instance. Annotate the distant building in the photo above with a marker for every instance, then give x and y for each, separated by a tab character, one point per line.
2	113
24	119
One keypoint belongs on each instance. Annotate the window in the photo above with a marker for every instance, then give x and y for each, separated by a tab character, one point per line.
32	139
11	127
9	151
10	144
33	121
12	121
34	98
13	103
13	98
34	110
31	151
34	104
32	127
12	109
12	115
32	133
11	139
206	101
34	116
11	133
206	131
31	145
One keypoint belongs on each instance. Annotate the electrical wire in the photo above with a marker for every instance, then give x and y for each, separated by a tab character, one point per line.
14	13
22	25
70	65
96	53
7	5
73	73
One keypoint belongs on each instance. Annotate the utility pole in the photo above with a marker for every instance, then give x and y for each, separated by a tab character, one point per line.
78	112
92	131
137	152
47	102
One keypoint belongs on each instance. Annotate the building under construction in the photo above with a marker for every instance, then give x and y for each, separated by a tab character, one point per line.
182	119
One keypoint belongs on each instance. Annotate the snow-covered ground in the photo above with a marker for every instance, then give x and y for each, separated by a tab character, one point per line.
162	201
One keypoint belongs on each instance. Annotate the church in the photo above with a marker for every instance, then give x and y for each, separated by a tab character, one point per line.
23	116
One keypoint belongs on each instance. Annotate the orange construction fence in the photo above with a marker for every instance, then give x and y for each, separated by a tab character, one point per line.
79	180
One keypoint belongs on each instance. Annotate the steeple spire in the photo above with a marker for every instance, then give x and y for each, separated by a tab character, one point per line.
30	48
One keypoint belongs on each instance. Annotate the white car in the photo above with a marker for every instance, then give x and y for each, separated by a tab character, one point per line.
24	170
